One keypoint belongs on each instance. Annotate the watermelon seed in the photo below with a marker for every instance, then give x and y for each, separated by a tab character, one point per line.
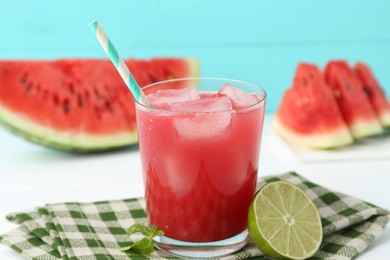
80	100
305	82
368	91
66	106
108	107
71	88
152	78
97	94
28	87
23	79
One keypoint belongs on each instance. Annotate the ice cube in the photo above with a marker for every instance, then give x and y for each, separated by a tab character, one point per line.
180	178
164	98
207	104
238	97
205	118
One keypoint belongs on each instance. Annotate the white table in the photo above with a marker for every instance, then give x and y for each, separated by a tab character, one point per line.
32	175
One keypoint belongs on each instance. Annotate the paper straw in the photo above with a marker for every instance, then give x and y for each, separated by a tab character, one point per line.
119	63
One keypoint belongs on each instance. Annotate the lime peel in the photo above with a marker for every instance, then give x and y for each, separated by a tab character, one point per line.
284	222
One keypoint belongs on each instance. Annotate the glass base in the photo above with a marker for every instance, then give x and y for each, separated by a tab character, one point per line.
202	249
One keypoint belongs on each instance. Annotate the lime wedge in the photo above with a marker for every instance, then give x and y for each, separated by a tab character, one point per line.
283	222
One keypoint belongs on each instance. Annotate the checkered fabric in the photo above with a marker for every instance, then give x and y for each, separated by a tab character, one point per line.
96	230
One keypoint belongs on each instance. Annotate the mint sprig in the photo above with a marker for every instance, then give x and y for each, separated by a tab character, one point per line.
146	244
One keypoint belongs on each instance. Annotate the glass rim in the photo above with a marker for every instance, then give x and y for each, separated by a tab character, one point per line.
262	95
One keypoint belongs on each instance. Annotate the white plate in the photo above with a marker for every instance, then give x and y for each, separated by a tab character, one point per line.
371	148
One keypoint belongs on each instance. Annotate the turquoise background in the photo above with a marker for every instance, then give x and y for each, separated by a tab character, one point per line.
258	41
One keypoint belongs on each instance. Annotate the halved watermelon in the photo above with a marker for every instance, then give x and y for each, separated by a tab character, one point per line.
308	115
374	92
354	104
78	104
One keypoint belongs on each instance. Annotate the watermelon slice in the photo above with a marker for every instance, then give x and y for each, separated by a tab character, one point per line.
78	104
309	115
374	92
354	104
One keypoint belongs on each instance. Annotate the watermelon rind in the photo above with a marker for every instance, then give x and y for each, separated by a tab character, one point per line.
67	141
366	128
326	140
194	68
384	117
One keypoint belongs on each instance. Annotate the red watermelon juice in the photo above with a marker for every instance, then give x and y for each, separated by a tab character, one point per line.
199	153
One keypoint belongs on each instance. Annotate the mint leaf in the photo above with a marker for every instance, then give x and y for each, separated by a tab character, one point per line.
159	233
138	228
125	248
146	244
153	231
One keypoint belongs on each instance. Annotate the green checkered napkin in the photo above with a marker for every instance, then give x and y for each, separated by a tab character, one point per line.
96	230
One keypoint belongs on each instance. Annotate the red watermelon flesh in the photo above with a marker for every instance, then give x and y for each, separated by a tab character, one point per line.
309	115
354	104
374	92
78	104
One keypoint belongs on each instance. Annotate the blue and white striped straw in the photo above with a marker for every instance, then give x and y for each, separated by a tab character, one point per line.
119	63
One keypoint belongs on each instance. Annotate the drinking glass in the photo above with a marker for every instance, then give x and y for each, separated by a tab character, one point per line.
200	169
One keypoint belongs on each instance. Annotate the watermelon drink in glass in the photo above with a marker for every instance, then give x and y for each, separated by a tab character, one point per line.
199	144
